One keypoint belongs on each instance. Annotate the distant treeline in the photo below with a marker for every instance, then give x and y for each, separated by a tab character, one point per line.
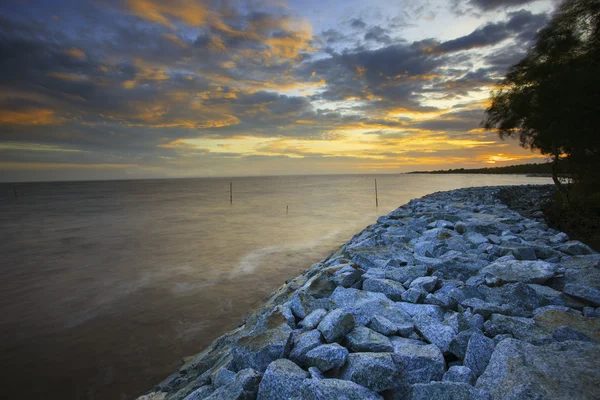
542	168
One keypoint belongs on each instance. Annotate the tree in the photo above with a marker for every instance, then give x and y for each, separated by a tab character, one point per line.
550	100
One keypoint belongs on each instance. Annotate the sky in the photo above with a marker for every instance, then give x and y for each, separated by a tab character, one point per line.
118	89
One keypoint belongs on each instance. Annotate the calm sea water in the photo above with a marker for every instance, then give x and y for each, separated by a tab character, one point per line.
105	286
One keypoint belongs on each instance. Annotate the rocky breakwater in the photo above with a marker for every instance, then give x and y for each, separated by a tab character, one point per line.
451	296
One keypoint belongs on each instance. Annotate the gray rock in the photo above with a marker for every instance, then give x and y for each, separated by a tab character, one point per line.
475	238
414	295
520	271
260	350
315	373
336	325
282	380
479	351
574	248
383	325
591	312
458	345
435	332
199	394
461	374
376	371
365	305
223	377
337	389
312	320
521	328
390	288
564	333
419	362
427	283
587	294
327	356
405	274
519	370
446	391
304	343
347	276
243	387
362	339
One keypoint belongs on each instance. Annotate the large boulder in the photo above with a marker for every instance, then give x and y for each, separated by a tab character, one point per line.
260	350
335	325
417	361
304	343
520	271
585	293
243	387
282	380
327	356
390	288
362	339
376	371
314	389
312	320
435	331
461	374
519	370
479	351
446	391
365	305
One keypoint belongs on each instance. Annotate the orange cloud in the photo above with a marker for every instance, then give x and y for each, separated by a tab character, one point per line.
190	12
175	39
68	76
75	53
34	116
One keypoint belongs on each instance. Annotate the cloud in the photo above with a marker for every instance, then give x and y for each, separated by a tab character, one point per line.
378	34
489	5
521	24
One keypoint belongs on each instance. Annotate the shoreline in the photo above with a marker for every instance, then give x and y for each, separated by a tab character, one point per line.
433	296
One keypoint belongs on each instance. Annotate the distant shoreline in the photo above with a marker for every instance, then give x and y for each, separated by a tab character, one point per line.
536	170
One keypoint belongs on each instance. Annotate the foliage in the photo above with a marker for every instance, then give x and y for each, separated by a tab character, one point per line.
541	168
550	100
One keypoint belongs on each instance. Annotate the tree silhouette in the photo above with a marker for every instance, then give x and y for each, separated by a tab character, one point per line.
550	100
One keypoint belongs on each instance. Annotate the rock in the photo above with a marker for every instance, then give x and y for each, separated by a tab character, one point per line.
260	350
365	305
520	271
591	312
521	328
406	274
243	387
587	294
390	288
564	333
427	283
435	332
461	374
301	304
446	391
419	362
223	377
551	320
574	248
362	339
458	345
475	238
312	320
282	380
315	373
337	389
304	343
336	325
519	370
383	325
327	356
347	276
414	295
198	394
479	351
460	227
376	371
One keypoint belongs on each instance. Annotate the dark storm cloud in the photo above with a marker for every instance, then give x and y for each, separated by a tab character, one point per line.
521	24
357	23
488	5
378	34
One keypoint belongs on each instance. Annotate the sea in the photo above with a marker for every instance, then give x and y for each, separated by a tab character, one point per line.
106	285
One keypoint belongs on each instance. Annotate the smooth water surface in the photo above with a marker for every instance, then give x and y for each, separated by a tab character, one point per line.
105	286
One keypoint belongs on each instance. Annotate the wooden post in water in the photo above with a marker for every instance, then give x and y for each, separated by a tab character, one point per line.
230	192
286	209
15	190
376	199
